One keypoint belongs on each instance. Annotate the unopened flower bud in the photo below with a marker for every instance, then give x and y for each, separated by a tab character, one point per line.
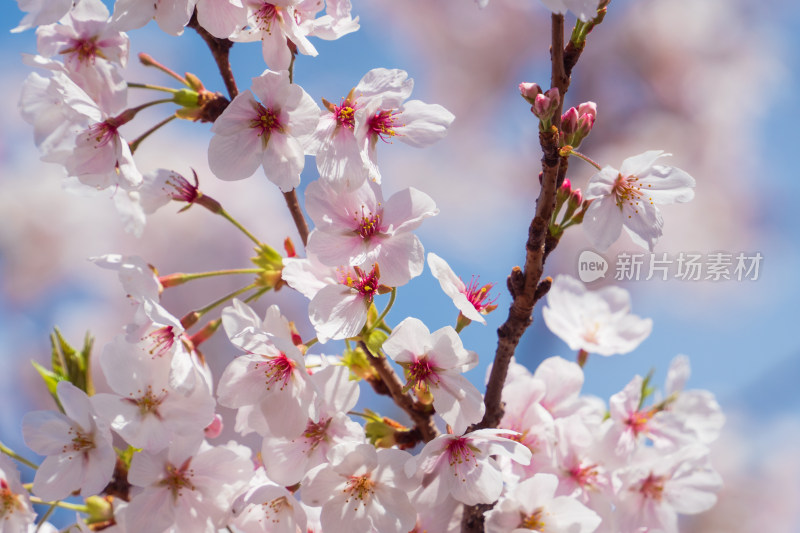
575	198
544	105
576	123
214	429
569	122
529	91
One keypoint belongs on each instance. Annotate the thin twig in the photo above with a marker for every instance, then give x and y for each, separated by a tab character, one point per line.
220	49
297	214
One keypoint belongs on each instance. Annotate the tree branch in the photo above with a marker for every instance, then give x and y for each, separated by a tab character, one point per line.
297	214
220	49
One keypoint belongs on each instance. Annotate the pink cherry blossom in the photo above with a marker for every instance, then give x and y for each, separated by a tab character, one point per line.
171	15
462	466
358	229
433	364
40	12
268	507
627	198
336	22
222	18
472	301
250	134
533	505
594	321
16	511
362	489
77	445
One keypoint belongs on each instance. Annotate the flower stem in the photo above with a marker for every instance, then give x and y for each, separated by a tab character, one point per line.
585	158
256	295
311	342
178	278
14	455
236	223
134	144
148	61
385	312
224	299
63	505
151	87
46	515
583	356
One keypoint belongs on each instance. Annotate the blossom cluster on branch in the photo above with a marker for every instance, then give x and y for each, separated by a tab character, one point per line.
530	454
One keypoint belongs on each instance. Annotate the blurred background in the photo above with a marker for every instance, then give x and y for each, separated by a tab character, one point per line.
713	82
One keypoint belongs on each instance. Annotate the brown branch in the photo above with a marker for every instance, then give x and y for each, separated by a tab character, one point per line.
297	214
422	415
220	49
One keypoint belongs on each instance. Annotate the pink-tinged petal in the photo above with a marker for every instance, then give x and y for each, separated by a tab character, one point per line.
283	161
132	14
242	383
409	338
643	223
423	124
601	184
451	284
638	164
76	404
151	510
276	53
45	432
338	249
58	476
448	351
147	468
98	469
336	390
294	34
458	402
235	157
563	380
337	312
238	115
304	116
393	87
307	276
603	222
401	258
172	16
482	484
320	483
405	210
221	18
667	185
677	375
285	461
273	89
339	161
338	211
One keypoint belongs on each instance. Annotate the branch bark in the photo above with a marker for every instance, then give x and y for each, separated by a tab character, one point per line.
220	49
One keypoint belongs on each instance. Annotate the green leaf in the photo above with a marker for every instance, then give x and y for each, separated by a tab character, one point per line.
51	380
375	340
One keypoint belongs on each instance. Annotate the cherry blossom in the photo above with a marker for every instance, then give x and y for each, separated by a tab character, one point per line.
472	301
462	467
77	444
433	364
336	22
222	18
40	12
268	507
698	410
184	489
627	198
362	489
16	511
358	229
583	9
594	321
250	134
532	505
273	23
171	15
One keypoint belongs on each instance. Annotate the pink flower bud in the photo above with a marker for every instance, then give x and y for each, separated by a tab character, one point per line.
529	91
214	428
575	198
545	105
569	121
587	108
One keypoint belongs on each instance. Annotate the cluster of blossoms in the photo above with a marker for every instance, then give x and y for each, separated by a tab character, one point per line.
555	461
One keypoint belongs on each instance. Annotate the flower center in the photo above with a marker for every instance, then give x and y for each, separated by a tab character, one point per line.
370	223
460	452
182	190
359	488
277	370
274	507
266	121
590	333
421	374
652	487
478	296
148	402
178	478
533	521
345	114
316	433
101	133
265	15
628	190
81	442
382	124
162	340
9	502
639	420
84	50
584	475
365	284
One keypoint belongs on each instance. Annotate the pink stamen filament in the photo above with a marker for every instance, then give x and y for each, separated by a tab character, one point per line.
179	478
383	124
478	296
369	224
277	370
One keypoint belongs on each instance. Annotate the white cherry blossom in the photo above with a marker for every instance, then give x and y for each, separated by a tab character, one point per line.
336	22
358	229
77	445
268	507
40	12
221	18
433	364
628	197
171	15
472	301
250	134
16	511
594	321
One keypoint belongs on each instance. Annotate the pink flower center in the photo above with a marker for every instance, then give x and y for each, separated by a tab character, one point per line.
81	442
102	133
383	123
590	334
84	50
370	223
272	509
178	479
345	114
459	452
533	521
479	296
265	15
584	475
162	341
148	402
365	284
652	487
182	190
421	374
277	370
266	121
638	421
316	433
9	502
359	488
628	190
